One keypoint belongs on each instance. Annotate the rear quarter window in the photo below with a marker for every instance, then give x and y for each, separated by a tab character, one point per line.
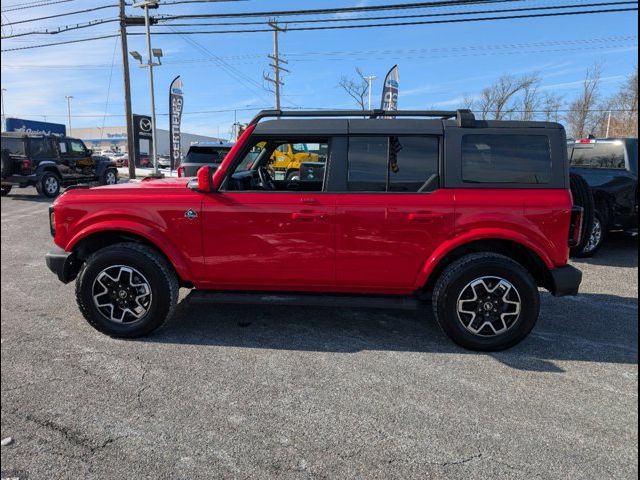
509	159
15	146
205	155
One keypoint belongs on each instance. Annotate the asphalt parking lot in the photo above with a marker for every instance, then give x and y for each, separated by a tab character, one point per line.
284	392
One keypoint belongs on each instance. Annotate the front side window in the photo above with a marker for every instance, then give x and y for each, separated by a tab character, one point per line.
77	147
517	159
260	169
599	155
391	164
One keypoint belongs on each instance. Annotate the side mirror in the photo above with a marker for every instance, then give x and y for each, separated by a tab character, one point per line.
204	179
89	151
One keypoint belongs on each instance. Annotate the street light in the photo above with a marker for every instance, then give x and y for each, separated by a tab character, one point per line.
155	52
370	80
68	97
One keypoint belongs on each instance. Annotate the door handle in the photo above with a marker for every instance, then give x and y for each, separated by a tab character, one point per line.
421	217
308	216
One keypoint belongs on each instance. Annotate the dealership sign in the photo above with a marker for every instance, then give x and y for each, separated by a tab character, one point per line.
390	90
175	117
141	131
33	126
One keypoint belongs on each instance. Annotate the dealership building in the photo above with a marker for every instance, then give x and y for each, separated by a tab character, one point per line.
115	138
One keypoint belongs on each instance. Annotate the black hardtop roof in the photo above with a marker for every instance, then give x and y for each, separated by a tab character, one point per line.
328	122
36	135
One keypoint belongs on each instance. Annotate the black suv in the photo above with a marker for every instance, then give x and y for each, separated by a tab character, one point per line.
202	153
610	168
50	162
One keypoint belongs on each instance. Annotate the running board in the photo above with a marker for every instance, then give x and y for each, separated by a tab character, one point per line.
304	299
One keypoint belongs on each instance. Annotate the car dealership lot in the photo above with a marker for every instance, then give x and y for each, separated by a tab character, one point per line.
260	392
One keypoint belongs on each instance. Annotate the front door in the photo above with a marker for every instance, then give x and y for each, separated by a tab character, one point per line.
260	233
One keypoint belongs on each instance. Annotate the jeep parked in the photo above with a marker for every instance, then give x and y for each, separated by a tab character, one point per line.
51	162
470	216
609	167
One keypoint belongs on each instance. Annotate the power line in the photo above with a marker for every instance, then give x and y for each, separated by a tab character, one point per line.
26	5
58	43
420	15
326	11
65	14
400	24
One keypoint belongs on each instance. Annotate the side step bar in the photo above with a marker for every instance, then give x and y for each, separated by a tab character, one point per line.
275	298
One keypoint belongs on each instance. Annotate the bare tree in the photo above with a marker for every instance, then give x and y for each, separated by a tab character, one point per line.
622	115
498	101
530	100
551	105
582	118
357	88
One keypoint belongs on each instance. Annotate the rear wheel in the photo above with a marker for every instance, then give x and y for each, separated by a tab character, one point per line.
595	237
49	185
127	290
6	189
486	301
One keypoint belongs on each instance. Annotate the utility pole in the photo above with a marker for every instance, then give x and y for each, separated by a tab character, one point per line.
68	97
370	80
276	62
4	118
131	147
608	124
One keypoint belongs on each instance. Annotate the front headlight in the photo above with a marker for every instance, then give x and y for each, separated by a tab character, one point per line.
52	222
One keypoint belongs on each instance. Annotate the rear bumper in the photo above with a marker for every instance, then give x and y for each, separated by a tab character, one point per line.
21	179
565	281
64	264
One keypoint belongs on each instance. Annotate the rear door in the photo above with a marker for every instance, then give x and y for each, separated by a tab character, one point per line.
390	212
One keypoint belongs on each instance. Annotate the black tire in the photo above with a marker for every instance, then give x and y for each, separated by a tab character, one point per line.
155	272
293	175
597	235
6	164
5	190
582	197
455	283
48	185
109	177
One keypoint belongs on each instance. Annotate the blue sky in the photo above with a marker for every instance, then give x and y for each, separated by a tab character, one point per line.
439	64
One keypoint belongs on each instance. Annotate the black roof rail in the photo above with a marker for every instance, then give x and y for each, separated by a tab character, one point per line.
464	118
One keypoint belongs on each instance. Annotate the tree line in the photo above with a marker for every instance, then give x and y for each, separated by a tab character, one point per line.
513	97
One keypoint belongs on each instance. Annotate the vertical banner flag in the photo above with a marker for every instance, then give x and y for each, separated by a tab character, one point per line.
390	90
175	117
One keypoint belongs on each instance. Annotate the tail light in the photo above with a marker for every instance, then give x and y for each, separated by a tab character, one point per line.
181	171
26	165
575	231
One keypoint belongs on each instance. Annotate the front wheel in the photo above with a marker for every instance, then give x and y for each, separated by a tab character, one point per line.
127	290
486	301
49	185
109	177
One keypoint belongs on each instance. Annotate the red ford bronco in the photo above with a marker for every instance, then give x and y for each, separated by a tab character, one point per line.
472	216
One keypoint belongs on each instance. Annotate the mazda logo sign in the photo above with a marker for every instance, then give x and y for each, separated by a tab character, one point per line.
145	124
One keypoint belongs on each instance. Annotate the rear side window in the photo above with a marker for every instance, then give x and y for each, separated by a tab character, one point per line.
391	164
205	155
516	159
598	155
40	148
15	146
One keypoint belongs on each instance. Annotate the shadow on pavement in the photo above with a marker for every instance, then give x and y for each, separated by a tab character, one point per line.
31	196
619	251
569	329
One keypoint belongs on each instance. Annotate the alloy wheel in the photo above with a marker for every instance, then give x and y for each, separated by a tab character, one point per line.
121	294
489	306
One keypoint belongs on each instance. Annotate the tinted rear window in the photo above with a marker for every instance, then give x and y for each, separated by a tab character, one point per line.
516	159
15	146
205	155
40	148
391	164
598	155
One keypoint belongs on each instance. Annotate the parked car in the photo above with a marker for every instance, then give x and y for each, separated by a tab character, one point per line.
51	162
164	161
203	153
609	166
122	160
470	216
